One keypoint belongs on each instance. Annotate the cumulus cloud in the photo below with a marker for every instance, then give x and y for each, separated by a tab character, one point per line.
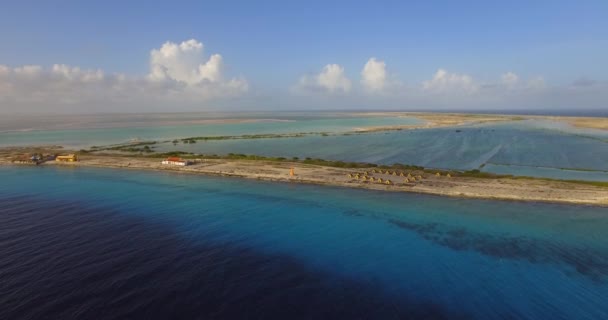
184	62
445	82
444	90
179	74
331	79
31	84
183	67
182	76
373	75
509	79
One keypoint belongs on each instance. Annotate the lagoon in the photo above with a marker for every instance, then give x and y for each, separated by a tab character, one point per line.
533	147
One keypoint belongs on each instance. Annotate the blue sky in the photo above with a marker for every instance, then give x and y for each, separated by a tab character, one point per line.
273	45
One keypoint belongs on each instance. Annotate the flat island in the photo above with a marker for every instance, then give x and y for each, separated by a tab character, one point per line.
143	155
436	120
396	178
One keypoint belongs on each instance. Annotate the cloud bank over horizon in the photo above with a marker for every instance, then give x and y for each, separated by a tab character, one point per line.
180	75
182	78
446	90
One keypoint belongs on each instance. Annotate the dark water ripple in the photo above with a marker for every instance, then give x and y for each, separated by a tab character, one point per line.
583	261
71	260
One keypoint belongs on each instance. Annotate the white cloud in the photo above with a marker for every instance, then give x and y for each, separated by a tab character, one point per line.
445	82
331	79
373	75
28	71
446	90
184	62
65	72
509	79
179	75
183	78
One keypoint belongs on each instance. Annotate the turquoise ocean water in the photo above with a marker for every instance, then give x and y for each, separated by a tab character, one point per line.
87	137
68	238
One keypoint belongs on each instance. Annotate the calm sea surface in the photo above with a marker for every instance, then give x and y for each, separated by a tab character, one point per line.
529	148
106	244
84	137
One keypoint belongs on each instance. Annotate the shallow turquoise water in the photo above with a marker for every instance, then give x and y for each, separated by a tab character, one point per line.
526	148
531	144
84	138
482	259
551	173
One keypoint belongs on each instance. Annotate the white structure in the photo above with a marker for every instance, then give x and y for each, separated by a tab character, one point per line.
176	162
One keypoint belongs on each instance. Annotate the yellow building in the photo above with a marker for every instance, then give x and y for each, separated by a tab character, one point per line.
67	158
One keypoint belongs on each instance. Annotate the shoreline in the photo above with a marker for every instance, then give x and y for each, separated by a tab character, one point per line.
455	119
431	120
499	188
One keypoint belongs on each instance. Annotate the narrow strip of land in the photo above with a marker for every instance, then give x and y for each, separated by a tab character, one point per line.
400	180
436	119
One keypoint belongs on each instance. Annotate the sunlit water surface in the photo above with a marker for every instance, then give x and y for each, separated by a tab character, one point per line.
100	243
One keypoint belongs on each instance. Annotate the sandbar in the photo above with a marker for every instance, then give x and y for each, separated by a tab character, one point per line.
519	189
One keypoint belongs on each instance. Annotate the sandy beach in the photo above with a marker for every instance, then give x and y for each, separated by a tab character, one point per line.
436	120
584	122
520	189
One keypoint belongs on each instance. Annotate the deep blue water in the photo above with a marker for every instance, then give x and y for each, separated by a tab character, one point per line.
107	244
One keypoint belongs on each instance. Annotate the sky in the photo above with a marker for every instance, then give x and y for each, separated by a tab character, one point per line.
148	56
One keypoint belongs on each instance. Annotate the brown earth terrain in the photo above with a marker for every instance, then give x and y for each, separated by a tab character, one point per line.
520	189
